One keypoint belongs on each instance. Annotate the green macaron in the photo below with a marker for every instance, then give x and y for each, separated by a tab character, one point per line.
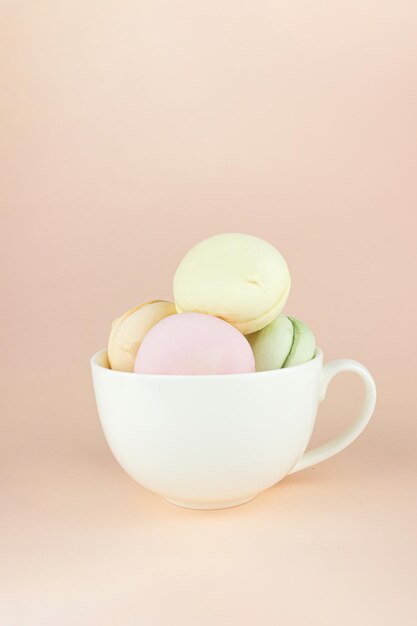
283	343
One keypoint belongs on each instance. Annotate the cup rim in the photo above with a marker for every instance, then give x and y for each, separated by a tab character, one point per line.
140	376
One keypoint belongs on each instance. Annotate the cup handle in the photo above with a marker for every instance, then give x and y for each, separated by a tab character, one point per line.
332	447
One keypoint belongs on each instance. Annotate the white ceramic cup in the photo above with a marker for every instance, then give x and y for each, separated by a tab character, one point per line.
209	442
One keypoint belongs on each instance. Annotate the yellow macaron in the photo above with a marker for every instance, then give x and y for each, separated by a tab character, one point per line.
240	278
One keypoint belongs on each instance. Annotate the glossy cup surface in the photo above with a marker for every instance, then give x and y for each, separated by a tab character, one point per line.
208	441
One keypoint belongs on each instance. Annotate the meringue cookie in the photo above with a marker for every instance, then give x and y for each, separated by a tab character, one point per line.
128	331
194	343
304	344
236	277
272	344
283	343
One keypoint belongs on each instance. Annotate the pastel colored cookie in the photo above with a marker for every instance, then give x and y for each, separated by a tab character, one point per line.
128	330
272	344
283	343
238	278
304	344
194	343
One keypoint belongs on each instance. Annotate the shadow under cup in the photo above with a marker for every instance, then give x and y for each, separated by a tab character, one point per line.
208	441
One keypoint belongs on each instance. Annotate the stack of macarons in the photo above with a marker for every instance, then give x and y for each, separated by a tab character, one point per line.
229	292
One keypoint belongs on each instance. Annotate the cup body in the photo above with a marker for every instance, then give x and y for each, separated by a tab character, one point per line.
208	441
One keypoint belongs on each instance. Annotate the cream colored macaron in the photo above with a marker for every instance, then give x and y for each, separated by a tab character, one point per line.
239	278
128	331
283	343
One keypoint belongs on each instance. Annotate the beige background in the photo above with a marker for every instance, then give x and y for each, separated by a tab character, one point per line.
129	131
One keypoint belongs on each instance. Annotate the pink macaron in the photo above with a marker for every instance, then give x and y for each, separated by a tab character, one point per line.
192	344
